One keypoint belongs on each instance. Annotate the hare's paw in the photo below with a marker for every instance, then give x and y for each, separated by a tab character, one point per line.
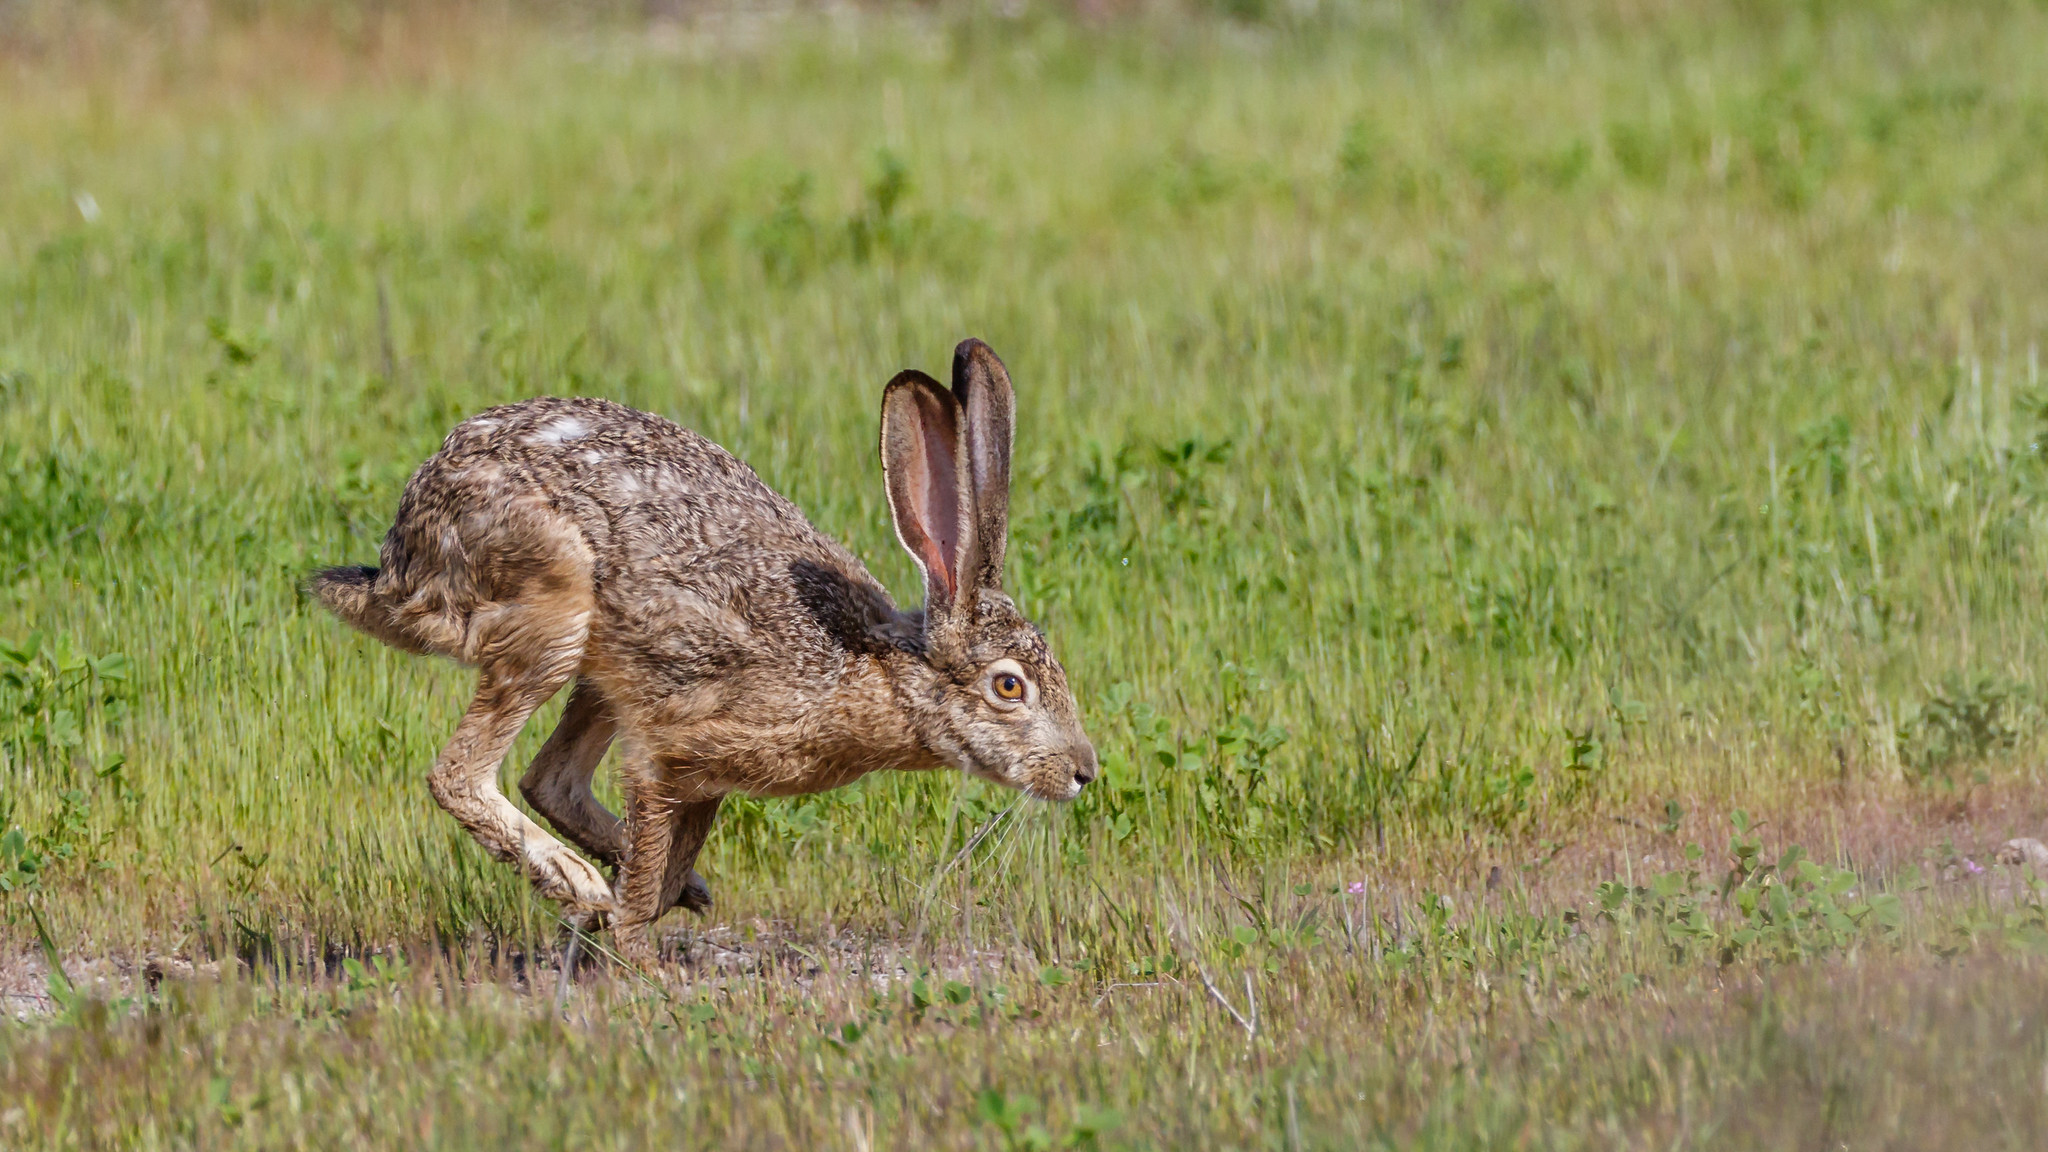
561	875
696	895
637	947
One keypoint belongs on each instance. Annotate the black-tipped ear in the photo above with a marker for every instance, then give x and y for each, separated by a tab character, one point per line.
924	466
982	386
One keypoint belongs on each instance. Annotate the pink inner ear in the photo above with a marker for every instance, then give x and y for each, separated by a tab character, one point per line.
938	501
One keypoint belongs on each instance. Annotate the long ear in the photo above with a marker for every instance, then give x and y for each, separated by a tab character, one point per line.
924	465
982	386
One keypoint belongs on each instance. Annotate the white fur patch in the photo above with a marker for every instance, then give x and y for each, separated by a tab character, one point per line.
562	430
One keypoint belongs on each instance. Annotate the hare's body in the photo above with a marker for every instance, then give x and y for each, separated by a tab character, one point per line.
734	647
703	604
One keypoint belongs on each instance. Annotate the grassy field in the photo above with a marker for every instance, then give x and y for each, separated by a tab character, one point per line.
1499	476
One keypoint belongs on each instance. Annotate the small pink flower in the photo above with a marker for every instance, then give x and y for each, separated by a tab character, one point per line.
1971	866
1357	888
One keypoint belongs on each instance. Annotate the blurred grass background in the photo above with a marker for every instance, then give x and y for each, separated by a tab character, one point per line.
1436	423
1443	428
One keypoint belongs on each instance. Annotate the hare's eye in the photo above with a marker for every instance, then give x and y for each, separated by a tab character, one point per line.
1006	684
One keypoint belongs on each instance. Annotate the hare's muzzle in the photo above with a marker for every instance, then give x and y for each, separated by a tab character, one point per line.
1085	765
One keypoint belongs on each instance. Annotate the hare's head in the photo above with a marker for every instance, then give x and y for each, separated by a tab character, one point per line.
1001	708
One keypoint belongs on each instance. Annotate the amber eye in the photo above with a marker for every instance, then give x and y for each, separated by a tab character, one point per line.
1009	686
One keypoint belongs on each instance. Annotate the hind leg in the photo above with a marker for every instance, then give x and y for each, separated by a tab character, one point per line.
557	783
465	781
558	786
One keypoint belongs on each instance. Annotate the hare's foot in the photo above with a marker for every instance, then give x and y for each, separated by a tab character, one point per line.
696	895
633	917
639	944
636	946
561	875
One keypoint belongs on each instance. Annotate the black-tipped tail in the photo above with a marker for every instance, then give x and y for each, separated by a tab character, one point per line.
347	593
351	593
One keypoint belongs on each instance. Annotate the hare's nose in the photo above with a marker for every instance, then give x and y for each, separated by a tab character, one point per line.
1085	766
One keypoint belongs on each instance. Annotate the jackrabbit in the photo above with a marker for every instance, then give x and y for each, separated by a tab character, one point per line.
733	646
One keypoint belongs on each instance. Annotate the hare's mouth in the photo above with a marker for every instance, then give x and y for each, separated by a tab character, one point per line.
1038	785
1047	779
1050	785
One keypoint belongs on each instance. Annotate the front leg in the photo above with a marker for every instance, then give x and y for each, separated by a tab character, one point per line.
557	785
664	836
681	887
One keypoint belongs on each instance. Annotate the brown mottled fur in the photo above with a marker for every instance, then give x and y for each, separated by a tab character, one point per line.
730	645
